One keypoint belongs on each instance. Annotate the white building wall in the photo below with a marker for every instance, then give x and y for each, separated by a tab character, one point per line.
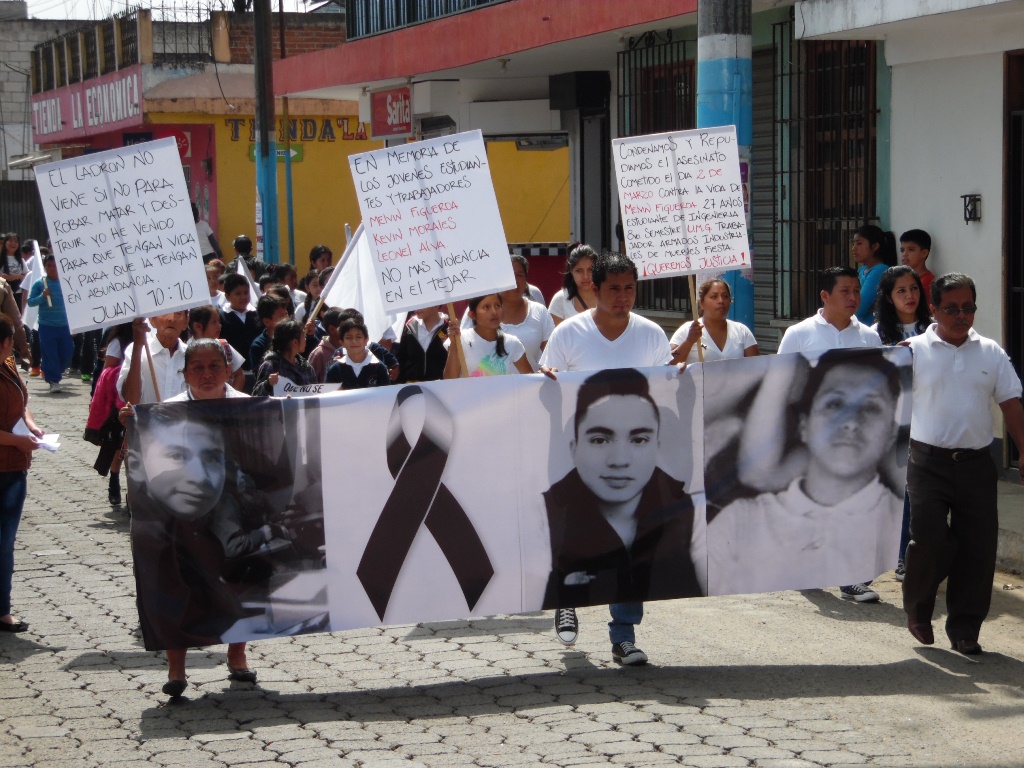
947	141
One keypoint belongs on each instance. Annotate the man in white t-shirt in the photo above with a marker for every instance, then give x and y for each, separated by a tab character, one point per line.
951	476
835	326
608	336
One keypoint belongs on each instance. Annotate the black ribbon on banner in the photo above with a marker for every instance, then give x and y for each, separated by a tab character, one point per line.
420	498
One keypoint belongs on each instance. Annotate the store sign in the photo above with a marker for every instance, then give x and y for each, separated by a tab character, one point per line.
391	113
98	105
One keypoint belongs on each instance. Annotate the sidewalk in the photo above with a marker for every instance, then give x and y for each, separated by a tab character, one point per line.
1010	555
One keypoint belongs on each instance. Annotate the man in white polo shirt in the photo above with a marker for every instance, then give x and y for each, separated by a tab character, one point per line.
835	326
608	336
951	475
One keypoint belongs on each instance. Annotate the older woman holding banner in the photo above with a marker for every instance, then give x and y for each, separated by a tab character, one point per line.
181	465
719	337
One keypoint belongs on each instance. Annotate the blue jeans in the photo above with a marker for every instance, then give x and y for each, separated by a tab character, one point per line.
624	617
57	347
13	486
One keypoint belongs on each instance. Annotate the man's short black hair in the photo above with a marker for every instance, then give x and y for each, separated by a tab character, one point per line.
356	325
612	263
611	381
333	318
243	244
950	282
828	278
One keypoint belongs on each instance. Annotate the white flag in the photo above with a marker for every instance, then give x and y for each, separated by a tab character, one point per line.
354	285
254	288
35	272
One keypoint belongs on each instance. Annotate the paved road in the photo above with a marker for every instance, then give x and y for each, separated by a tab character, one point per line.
780	681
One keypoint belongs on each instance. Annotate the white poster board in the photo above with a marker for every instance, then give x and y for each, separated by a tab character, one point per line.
432	221
122	231
681	199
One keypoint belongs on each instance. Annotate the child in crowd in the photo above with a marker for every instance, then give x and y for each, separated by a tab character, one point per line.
320	358
915	246
271	310
357	368
204	323
213	283
240	325
284	360
421	351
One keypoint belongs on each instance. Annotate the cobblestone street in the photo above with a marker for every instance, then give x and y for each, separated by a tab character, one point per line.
773	681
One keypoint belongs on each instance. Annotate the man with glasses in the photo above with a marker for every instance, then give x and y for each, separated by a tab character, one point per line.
951	475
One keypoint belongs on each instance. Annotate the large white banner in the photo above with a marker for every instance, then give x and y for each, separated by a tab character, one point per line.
445	500
123	234
681	201
432	221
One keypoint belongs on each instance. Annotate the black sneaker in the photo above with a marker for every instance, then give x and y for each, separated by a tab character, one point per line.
567	626
901	569
628	655
862	593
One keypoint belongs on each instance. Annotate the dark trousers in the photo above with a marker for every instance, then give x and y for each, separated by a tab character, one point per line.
954	529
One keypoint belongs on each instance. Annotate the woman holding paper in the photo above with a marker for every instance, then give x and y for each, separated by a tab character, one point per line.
18	438
719	337
577	294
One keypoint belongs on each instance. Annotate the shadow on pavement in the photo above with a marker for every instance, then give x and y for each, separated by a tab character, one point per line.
674	686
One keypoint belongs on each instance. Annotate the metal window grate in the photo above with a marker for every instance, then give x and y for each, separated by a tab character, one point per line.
128	28
75	57
108	32
181	33
62	62
657	93
92	56
372	17
824	160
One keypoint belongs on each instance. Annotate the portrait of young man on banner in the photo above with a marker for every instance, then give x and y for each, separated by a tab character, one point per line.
621	527
227	521
806	488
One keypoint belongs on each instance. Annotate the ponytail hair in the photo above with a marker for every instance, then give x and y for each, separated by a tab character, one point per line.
886	242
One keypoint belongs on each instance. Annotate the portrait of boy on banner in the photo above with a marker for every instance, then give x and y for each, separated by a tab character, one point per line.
621	527
808	491
227	521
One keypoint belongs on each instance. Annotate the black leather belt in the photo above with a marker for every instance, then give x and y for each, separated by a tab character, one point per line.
954	454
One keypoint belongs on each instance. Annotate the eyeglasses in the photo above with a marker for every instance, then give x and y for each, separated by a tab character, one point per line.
970	309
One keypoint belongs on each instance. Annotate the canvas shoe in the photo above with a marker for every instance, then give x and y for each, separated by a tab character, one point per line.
567	626
54	387
862	593
34	372
628	655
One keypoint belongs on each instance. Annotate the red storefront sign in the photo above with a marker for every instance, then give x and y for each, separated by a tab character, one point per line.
100	104
391	113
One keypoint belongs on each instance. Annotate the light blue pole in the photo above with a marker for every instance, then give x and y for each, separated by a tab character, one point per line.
725	97
266	126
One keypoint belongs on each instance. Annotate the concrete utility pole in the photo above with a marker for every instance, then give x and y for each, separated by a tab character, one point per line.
266	129
725	97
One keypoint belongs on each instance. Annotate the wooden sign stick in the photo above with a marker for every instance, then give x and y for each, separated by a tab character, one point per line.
692	281
463	368
152	371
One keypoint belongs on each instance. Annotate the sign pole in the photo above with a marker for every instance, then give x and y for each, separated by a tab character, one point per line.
463	368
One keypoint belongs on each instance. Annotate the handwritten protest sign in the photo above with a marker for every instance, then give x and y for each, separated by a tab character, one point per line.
288	388
682	201
123	234
432	219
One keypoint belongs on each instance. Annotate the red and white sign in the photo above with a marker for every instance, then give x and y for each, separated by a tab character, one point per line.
391	113
98	105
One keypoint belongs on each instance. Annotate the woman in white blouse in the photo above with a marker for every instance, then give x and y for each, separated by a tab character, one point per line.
720	338
577	293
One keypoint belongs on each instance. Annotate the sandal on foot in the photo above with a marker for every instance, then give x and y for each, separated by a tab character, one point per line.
241	675
174	688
